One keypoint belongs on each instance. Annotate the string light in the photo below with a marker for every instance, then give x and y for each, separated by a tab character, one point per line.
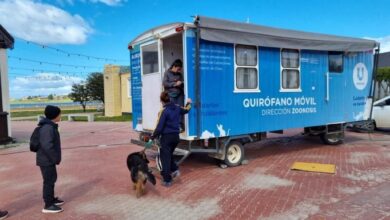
47	71
54	64
72	54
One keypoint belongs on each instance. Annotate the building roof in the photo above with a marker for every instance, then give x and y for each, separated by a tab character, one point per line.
6	40
384	60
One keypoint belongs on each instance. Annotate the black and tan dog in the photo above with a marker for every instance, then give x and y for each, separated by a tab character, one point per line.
140	173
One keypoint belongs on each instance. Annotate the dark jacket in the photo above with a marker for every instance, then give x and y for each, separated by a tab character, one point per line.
169	119
170	78
49	152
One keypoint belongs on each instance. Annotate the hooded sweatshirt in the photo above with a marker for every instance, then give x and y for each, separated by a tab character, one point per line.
49	152
169	119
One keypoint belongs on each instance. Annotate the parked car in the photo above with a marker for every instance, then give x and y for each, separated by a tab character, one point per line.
381	113
380	117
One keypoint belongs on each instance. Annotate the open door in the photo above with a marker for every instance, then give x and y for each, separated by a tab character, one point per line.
151	84
156	58
172	50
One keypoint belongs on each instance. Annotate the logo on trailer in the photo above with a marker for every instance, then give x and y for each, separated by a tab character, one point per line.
360	76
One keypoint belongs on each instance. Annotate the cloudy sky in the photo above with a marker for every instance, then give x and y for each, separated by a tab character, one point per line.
102	28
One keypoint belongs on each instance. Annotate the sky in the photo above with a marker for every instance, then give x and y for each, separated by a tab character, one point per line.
58	42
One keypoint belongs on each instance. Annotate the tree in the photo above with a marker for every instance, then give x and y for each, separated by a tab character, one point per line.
95	86
50	97
80	94
383	79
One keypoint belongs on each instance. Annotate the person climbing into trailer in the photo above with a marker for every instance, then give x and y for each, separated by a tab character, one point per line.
168	129
173	83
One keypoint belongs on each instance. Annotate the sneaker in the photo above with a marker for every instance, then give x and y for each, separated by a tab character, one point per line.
58	202
52	209
166	184
176	174
3	215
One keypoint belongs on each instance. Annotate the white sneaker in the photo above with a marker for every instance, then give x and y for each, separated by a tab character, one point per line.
52	209
176	174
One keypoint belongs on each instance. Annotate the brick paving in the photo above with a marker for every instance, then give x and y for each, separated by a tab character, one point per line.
95	183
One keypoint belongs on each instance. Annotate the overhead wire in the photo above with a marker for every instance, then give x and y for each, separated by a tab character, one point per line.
45	70
55	64
72	53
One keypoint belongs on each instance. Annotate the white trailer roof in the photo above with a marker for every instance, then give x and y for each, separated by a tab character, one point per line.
219	30
243	33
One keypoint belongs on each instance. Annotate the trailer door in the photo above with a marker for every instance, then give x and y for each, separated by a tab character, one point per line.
335	87
151	84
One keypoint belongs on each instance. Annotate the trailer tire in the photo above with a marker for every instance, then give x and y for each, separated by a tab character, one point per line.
332	139
371	126
234	154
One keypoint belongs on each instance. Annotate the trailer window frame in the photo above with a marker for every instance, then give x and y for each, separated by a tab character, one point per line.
333	54
128	87
298	69
255	67
142	57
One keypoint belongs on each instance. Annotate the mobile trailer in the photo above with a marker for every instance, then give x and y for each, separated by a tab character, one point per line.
246	80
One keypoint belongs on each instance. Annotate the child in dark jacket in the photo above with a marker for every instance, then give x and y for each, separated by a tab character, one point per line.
48	156
168	129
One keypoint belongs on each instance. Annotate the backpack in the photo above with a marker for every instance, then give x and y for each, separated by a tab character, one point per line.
34	140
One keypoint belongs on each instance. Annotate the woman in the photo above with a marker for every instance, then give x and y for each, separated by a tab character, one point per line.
168	129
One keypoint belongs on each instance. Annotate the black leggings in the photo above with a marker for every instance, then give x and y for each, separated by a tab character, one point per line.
168	143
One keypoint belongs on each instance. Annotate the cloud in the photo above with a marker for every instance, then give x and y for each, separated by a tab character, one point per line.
43	23
42	84
384	41
106	2
109	2
64	2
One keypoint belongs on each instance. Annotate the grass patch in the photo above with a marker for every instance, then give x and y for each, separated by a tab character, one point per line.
122	118
127	117
32	101
41	112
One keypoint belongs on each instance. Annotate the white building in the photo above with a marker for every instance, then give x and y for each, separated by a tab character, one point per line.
6	42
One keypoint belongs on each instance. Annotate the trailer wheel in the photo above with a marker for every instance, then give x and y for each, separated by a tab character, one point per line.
332	139
234	154
371	126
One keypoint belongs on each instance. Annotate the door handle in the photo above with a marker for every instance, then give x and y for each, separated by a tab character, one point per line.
327	86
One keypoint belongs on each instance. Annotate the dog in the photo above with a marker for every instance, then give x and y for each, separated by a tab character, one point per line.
137	163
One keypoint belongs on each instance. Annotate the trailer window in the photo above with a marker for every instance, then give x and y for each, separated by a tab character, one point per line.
150	58
336	62
246	78
246	68
290	64
290	79
246	55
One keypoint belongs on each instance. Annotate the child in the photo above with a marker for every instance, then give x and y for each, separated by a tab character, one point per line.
48	156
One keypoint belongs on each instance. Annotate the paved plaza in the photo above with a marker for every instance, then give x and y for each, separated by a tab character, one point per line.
94	181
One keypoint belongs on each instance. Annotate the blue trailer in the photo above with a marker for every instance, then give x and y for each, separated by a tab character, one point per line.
246	80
